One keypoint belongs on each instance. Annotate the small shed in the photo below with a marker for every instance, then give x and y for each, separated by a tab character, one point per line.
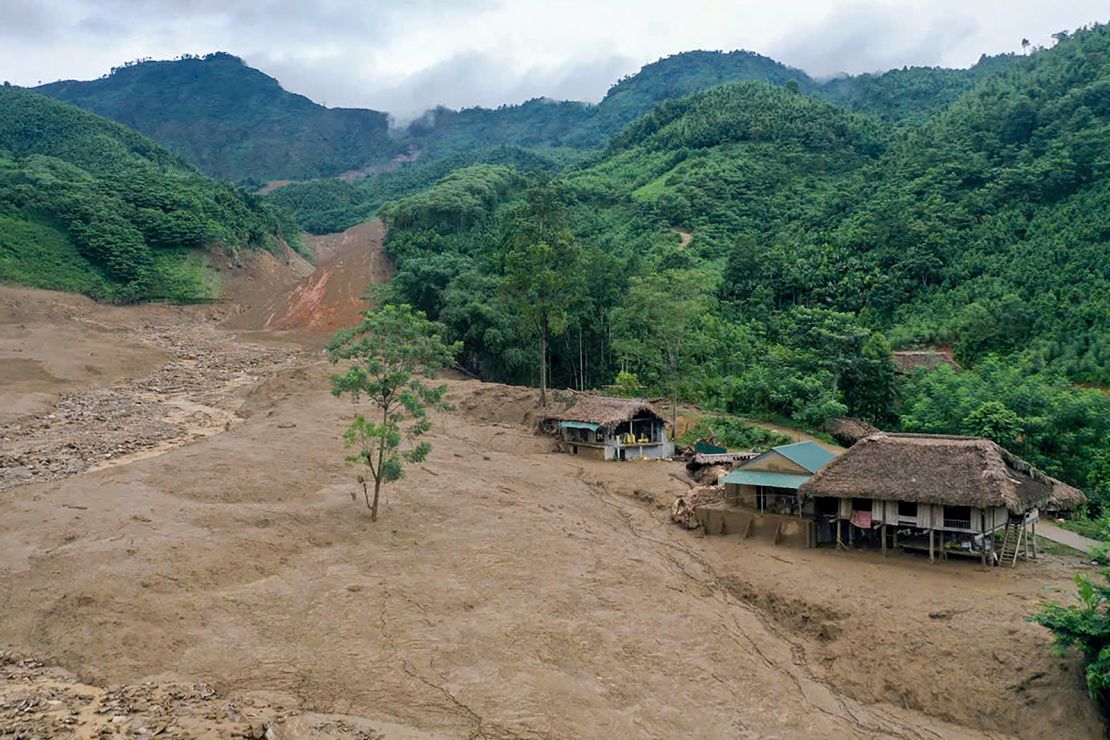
612	429
770	481
953	492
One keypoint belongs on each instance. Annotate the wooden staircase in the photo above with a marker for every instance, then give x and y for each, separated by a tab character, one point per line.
1012	541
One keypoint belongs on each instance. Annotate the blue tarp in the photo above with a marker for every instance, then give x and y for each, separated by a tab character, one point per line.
578	425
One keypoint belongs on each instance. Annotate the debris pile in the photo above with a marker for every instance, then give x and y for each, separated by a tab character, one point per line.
682	511
41	701
189	397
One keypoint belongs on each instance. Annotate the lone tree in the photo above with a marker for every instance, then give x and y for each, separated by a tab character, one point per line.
543	269
390	348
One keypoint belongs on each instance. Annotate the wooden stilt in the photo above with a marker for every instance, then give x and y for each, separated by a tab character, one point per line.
851	535
884	538
896	538
839	537
1034	539
931	558
982	539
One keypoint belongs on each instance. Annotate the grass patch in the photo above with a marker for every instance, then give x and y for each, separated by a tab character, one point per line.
186	275
732	433
1096	529
40	256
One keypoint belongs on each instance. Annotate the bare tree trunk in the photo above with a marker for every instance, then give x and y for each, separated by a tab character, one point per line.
379	473
374	508
543	362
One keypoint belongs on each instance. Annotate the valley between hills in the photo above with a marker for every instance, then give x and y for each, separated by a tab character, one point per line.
210	577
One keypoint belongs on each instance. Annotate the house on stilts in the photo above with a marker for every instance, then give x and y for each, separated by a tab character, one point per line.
610	429
945	495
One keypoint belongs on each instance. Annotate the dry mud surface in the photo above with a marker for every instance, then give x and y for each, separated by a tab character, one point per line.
215	579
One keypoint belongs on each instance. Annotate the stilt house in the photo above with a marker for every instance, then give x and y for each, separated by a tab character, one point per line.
612	429
944	494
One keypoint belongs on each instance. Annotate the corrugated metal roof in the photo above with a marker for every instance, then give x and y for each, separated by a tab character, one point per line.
809	455
578	425
761	478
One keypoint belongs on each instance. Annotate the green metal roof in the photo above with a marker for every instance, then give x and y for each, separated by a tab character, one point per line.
578	425
809	455
761	478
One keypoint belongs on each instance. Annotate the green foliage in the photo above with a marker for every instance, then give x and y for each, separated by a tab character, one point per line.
733	433
1084	626
328	206
969	210
129	211
543	269
658	329
460	199
388	349
1033	411
43	257
232	121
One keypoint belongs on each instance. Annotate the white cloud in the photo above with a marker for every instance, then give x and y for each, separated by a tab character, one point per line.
407	56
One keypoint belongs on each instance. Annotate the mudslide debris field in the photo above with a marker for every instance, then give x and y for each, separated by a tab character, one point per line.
213	575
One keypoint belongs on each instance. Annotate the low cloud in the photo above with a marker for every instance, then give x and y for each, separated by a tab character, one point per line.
405	57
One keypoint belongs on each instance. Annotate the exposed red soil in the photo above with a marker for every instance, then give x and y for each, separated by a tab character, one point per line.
271	295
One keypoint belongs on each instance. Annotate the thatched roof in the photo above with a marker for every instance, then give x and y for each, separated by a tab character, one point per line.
906	360
848	430
939	469
602	410
702	459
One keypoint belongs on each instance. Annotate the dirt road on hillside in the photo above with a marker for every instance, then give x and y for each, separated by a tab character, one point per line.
225	582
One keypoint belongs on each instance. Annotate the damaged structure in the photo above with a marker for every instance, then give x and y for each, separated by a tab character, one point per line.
761	496
947	495
611	429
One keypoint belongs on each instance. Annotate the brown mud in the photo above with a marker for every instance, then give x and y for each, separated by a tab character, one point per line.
216	578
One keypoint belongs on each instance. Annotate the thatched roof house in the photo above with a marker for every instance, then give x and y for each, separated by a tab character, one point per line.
604	411
907	360
610	428
942	470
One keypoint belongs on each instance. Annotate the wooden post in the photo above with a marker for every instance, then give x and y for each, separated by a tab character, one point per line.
884	538
931	558
839	539
1034	539
851	534
982	538
895	537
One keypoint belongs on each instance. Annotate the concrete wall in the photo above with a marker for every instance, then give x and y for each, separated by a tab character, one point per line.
722	519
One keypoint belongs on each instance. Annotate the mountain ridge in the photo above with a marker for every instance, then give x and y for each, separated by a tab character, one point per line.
236	122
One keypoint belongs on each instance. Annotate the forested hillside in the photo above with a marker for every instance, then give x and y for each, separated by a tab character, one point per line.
820	238
232	121
88	205
237	123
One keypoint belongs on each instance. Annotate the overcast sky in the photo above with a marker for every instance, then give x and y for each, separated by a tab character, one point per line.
407	55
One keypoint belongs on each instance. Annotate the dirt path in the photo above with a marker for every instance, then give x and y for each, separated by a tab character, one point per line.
1050	531
684	237
229	584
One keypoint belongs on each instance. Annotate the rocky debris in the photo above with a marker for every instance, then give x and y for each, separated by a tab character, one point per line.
682	511
190	396
40	701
